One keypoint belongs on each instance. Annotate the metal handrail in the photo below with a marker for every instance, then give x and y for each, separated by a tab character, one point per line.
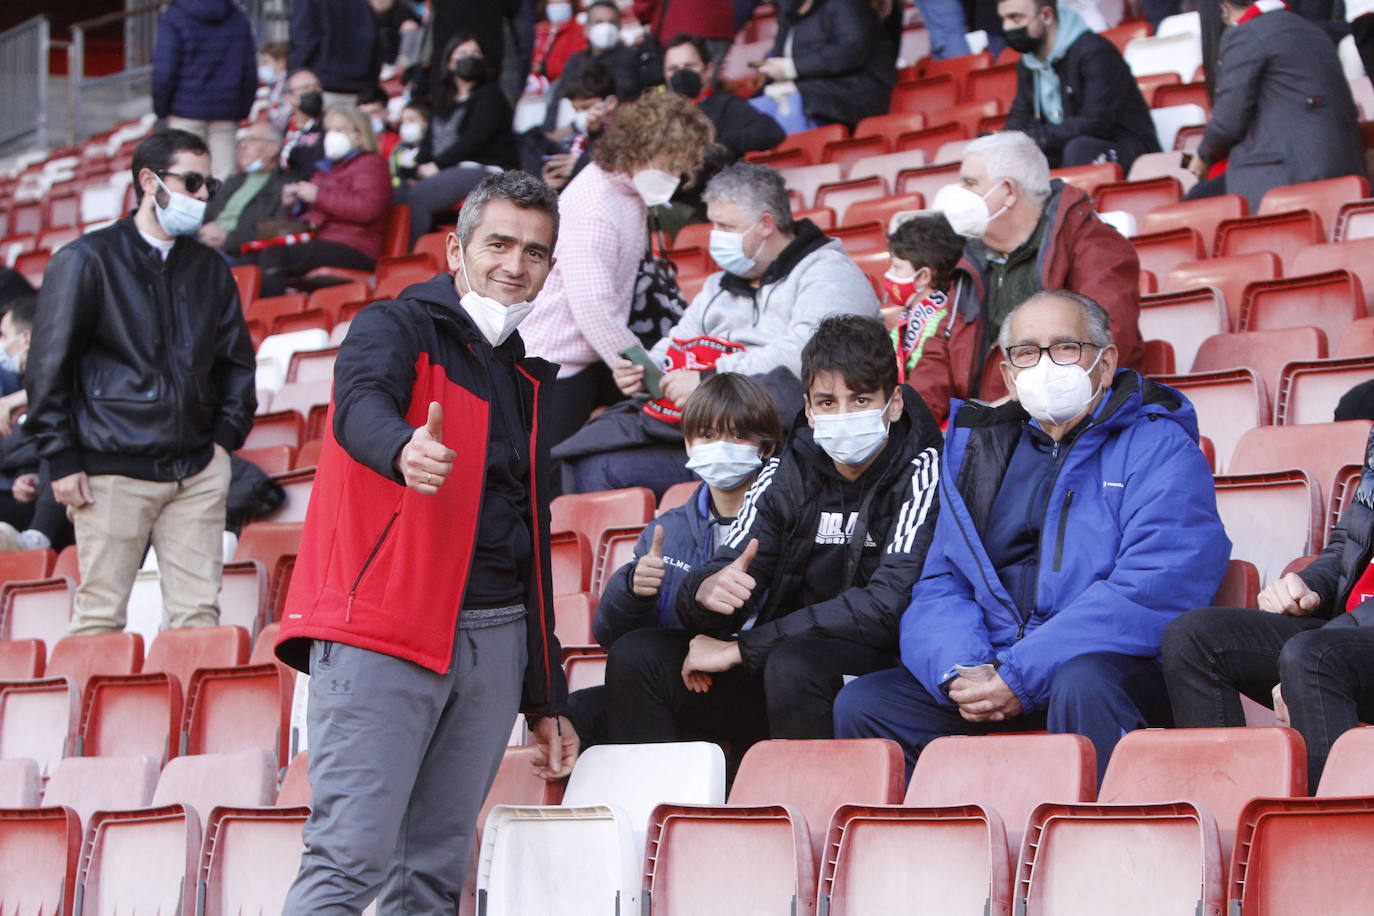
76	57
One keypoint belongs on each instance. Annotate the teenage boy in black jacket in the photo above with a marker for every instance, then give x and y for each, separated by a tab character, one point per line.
809	583
140	382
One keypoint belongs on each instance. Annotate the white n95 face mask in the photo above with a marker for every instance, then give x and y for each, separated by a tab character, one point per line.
183	214
1055	394
494	320
655	186
336	145
851	438
966	211
412	133
603	36
724	465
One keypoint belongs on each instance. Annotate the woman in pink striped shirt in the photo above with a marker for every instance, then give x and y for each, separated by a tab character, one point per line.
579	320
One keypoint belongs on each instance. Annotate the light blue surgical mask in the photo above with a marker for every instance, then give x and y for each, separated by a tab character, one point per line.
9	361
183	214
254	166
727	250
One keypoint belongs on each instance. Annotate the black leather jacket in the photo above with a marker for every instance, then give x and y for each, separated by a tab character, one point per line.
138	365
1349	548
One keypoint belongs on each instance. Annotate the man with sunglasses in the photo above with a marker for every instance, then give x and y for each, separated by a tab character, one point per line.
140	384
1076	521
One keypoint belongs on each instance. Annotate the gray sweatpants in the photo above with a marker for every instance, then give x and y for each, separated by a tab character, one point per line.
401	759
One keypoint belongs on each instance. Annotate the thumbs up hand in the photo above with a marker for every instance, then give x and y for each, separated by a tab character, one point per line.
648	577
727	591
425	462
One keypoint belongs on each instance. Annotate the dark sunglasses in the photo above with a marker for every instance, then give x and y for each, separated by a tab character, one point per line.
194	180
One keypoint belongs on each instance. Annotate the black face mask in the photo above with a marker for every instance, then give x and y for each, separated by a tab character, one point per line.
311	104
1020	40
686	83
471	69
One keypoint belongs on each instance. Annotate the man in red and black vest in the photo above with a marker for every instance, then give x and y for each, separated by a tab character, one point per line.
421	602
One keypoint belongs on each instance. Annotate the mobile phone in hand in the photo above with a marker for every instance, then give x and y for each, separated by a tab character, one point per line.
653	374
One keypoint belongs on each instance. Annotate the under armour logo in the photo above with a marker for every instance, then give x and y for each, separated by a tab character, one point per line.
341	685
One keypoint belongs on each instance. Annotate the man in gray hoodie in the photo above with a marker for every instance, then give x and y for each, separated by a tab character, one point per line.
779	278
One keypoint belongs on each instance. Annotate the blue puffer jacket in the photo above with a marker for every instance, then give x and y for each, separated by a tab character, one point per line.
204	62
1131	539
686	545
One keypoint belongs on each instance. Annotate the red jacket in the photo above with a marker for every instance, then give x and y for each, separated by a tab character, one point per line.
666	19
1084	255
385	568
551	54
353	203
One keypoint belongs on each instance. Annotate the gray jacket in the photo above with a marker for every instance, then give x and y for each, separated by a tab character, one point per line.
1283	112
777	320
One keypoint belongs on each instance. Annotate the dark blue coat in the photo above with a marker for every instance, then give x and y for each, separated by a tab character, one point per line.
204	62
337	41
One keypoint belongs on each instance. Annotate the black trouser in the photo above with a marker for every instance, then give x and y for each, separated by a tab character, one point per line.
573	399
792	697
13	512
283	263
1212	655
49	515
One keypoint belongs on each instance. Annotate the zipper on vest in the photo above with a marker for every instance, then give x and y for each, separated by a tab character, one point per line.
1063	524
348	608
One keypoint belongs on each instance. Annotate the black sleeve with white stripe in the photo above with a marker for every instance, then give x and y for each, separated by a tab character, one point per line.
867	614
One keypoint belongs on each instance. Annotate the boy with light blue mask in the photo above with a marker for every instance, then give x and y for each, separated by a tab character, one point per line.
730	428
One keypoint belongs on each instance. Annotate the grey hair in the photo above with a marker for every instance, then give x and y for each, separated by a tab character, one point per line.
755	189
1099	321
1011	155
273	132
520	188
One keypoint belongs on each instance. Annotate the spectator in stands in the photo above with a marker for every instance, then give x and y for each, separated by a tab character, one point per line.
740	128
825	67
584	311
250	196
559	155
1026	234
405	158
337	41
713	21
422	663
807	585
946	25
635	68
1073	527
557	37
345	203
1075	96
398	26
18	457
1282	112
729	430
205	73
924	252
372	101
1308	651
140	384
469	137
304	144
779	278
13	283
272	75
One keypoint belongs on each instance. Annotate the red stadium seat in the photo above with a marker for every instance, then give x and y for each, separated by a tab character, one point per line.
180	652
39	852
21	659
572	616
1184	319
570	557
929	97
1347	770
1229	275
91	784
1355	220
959	67
676	495
329	299
32	264
841	195
298	485
1088	177
883	209
970	115
592	513
1240	586
1267	352
991	83
928	181
309	454
585	671
890	125
813	141
614	550
862	238
38	720
1356	256
806	180
36	610
1309	390
1203	215
1328	301
1285	234
434	244
248	279
888	167
1320	449
1228	405
847	152
274	545
268	309
1137	198
931	140
1127	32
249	859
238	708
1184	94
1161	252
1324	198
1149	82
1271	518
780	159
284	427
270	459
243	595
81	657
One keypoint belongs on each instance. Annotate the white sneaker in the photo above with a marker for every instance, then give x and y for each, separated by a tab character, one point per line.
9	538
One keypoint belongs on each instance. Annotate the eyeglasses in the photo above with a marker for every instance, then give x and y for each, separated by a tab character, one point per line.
1064	353
194	180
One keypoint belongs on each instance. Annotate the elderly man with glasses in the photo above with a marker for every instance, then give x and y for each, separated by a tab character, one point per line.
140	384
1076	521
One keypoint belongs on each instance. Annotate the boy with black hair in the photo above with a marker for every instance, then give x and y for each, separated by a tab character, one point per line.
808	585
557	156
925	251
730	428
